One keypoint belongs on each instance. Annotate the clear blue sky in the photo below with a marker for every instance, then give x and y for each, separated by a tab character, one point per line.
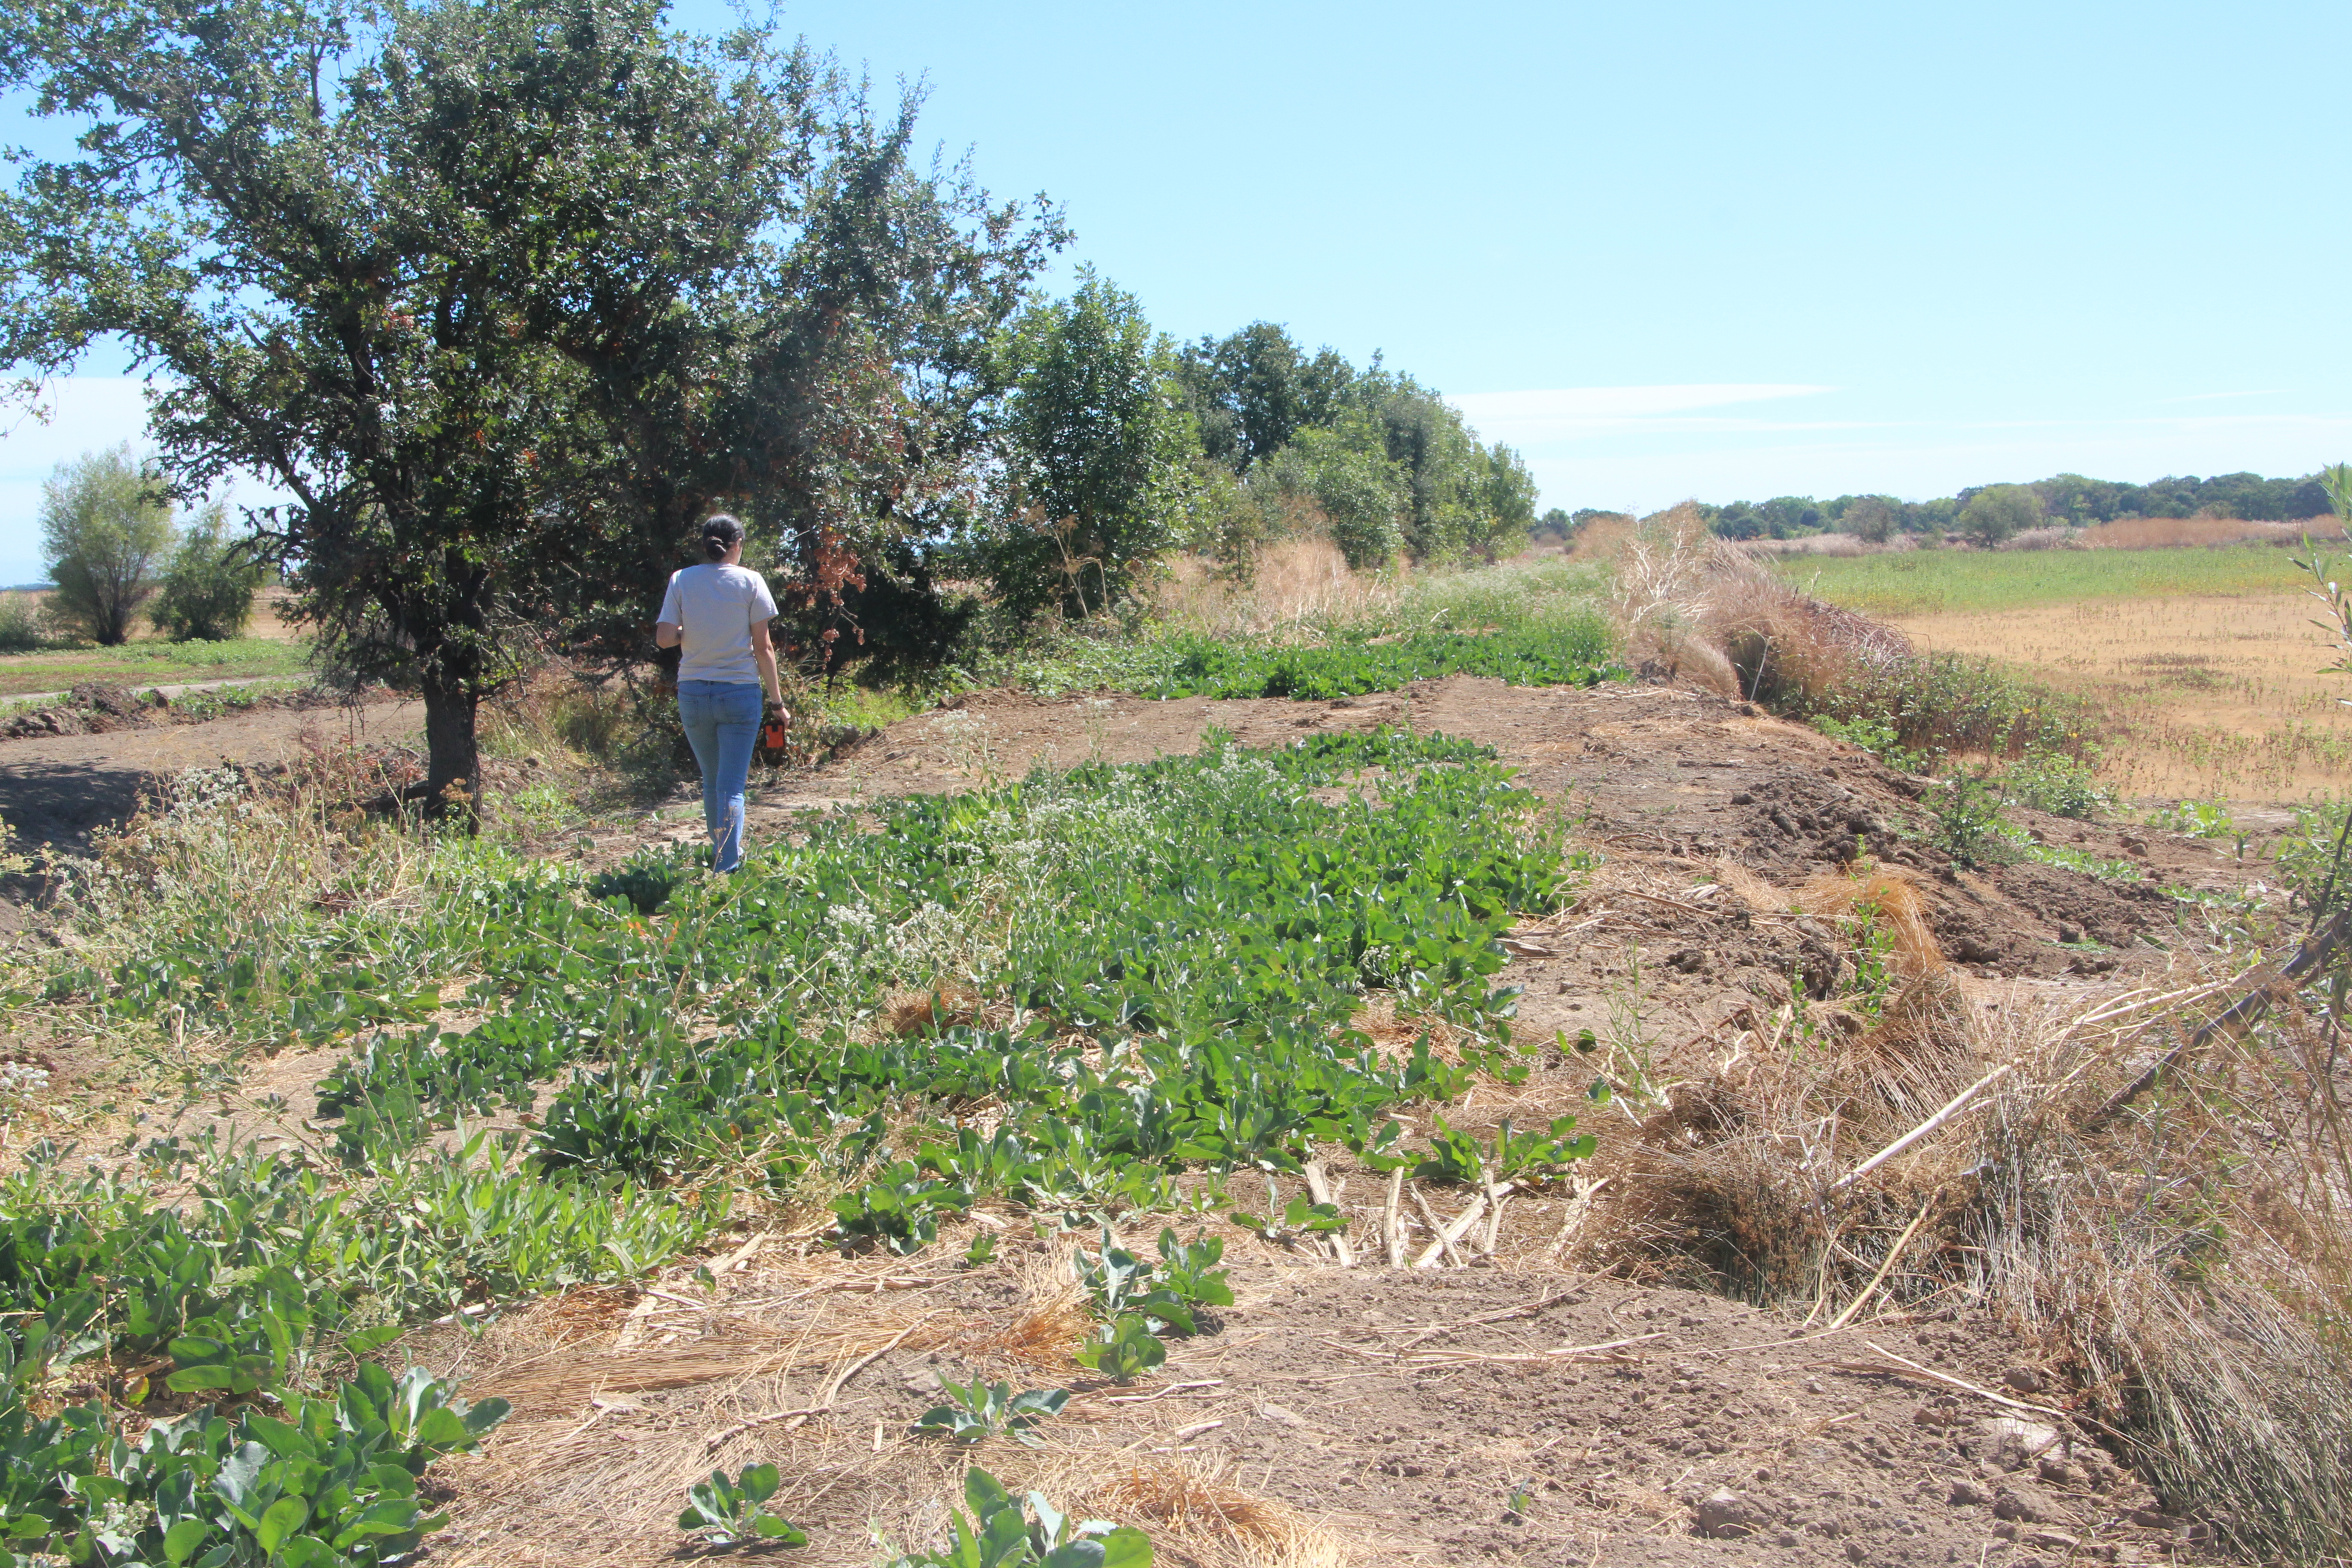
1722	251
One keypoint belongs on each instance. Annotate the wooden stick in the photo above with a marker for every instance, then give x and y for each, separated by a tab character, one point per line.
1893	1252
1319	1188
1945	1378
1392	1222
1573	1220
1494	1196
1958	1104
1161	1393
1448	1231
797	1417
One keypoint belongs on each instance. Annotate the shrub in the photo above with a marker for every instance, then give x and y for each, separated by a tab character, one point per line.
103	523
2061	786
207	589
1348	474
1967	822
20	624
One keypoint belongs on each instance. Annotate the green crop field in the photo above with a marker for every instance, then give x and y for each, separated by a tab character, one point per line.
143	664
1938	582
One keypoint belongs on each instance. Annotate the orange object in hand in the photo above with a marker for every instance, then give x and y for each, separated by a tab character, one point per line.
772	735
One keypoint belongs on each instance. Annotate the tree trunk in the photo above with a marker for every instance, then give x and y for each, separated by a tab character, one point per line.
453	782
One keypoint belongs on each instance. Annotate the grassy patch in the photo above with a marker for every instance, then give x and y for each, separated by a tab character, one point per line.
1524	656
1149	973
1932	582
143	664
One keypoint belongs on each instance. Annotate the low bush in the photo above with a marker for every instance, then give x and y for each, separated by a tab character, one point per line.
2061	786
208	585
1571	654
21	629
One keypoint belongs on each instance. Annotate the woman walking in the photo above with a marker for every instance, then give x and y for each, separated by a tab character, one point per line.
718	615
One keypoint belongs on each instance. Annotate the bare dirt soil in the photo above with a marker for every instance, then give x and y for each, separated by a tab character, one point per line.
1514	1410
1332	1415
56	789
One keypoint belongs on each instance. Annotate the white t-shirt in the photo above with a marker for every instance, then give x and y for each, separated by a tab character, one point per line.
715	608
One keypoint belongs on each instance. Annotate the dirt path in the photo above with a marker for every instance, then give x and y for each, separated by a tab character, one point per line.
54	792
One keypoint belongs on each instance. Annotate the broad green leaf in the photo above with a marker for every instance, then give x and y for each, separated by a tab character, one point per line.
180	1542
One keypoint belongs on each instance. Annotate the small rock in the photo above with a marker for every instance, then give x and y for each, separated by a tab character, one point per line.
2029	1439
2026	1505
2069	934
2152	1519
1968	1494
1728	1515
2056	1469
2055	1540
1279	1415
1854	1552
2024	1379
2134	844
2005	1531
1786	1539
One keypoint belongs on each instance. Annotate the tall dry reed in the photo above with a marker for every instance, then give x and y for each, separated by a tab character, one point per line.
2184	1256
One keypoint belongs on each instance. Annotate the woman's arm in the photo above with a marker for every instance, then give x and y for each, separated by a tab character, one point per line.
763	651
667	633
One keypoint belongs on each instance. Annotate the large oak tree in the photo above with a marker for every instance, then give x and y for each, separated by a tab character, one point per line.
504	295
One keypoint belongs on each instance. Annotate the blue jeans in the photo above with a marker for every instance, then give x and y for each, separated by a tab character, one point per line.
722	724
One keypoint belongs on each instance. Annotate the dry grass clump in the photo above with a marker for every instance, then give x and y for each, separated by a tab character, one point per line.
1281	584
2184	1256
2177	532
1887	897
1193	1516
1052	1319
1695	607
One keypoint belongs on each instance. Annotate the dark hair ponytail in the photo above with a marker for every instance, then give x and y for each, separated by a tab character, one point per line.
720	534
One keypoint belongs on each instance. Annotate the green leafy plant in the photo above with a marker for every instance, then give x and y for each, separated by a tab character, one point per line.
733	1513
1875	735
2197	818
1125	1350
999	1533
976	1410
329	1483
1458	1157
1572	652
1118	1282
2059	784
1299	1218
901	1208
1966	821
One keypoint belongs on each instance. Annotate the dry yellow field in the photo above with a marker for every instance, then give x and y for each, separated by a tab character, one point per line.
2213	694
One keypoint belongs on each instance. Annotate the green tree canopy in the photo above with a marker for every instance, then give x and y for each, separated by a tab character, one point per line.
1997	512
1345	469
206	592
105	522
1098	438
1252	392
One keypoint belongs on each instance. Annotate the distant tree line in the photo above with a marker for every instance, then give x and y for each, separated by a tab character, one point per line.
2069	498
